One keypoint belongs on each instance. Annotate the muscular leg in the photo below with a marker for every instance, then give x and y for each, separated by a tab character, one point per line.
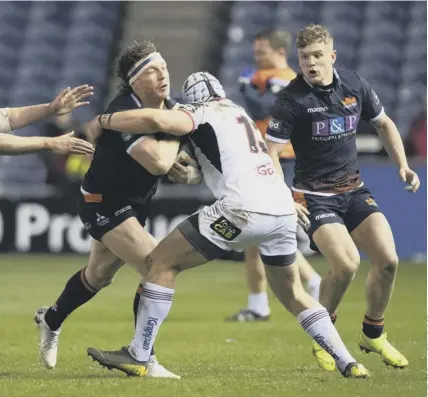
173	255
85	284
257	284
309	276
374	237
335	243
313	317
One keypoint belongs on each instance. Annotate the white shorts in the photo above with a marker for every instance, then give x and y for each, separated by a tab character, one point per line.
217	228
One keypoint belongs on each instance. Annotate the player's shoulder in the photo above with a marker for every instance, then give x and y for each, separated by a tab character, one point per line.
122	101
349	78
295	91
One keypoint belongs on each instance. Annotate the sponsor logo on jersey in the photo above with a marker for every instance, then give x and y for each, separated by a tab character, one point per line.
102	220
335	128
126	137
349	102
316	110
148	332
122	210
266	169
370	201
275	124
322	216
225	228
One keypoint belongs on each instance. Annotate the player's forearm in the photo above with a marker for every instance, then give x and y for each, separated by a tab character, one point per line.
392	142
147	121
23	116
274	152
167	153
13	145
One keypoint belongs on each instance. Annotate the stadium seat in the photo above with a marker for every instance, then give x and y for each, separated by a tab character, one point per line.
341	11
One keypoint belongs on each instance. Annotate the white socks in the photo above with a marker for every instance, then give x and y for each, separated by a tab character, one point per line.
155	303
317	323
259	303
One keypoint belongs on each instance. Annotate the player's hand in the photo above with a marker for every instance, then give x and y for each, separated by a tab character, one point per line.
302	215
411	178
67	144
71	98
185	173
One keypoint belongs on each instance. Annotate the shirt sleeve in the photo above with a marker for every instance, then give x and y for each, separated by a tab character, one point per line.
120	104
282	121
371	108
197	112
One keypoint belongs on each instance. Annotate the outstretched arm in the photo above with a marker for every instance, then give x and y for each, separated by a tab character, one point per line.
148	121
64	144
393	144
65	102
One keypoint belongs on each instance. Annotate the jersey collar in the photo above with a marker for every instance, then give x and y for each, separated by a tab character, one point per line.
337	82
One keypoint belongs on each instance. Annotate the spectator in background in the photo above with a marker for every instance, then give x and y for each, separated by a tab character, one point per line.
416	141
259	88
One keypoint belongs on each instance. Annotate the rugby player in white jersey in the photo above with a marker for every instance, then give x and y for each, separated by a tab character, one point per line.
238	169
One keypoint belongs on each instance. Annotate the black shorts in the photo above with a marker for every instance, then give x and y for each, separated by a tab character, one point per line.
100	217
349	209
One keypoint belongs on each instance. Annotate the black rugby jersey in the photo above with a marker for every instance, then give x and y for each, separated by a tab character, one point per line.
113	172
322	128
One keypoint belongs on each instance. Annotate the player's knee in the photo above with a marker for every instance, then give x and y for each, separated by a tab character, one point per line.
388	263
347	264
98	277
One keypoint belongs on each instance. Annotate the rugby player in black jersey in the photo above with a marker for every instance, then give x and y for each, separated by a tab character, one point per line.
319	112
116	194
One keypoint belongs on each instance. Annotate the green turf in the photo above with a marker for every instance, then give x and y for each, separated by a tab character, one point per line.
214	358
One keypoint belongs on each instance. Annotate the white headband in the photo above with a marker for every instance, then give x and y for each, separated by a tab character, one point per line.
142	65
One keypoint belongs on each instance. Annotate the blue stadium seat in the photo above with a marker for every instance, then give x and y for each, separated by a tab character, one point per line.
260	13
303	12
341	11
394	12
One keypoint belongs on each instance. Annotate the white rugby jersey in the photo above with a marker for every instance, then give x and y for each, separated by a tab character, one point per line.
234	160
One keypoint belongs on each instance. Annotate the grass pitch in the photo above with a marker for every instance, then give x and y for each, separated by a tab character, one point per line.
214	358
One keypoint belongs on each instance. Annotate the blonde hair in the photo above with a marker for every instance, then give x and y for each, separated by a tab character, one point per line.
313	34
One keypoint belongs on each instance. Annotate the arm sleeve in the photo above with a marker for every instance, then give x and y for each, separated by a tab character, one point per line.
119	104
197	112
371	108
284	116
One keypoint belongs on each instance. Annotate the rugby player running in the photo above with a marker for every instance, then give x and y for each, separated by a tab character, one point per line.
237	168
319	113
116	195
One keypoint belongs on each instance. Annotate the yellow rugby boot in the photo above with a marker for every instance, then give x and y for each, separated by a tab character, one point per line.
324	360
381	346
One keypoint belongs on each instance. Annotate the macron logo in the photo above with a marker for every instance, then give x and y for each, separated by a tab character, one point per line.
322	216
315	110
